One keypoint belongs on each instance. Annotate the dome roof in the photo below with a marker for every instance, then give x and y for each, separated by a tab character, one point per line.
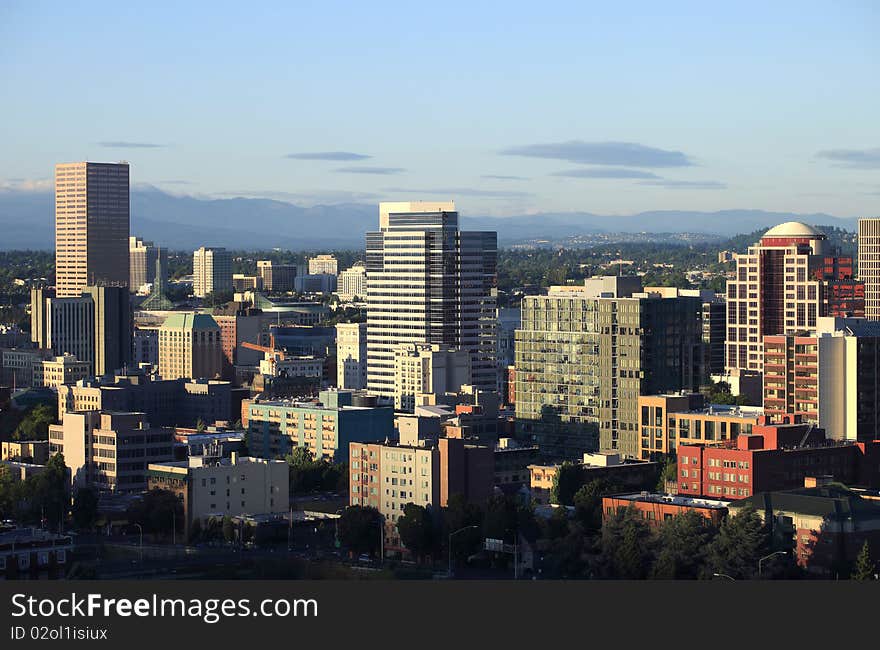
793	229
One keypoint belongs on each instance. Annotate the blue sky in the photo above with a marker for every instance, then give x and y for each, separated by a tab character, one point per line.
507	108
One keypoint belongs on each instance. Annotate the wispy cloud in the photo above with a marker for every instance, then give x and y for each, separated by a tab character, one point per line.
122	144
176	182
26	185
606	172
625	154
502	177
686	185
458	191
328	155
383	171
852	158
309	197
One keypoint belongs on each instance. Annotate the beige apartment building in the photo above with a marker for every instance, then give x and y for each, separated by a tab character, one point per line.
424	472
190	347
211	486
54	373
351	355
110	450
422	369
91	226
142	258
869	264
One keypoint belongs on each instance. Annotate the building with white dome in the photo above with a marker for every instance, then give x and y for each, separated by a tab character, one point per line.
782	285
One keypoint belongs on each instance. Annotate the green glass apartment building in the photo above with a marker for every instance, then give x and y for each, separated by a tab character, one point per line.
583	359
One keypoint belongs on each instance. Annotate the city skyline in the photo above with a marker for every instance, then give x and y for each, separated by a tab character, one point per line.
579	109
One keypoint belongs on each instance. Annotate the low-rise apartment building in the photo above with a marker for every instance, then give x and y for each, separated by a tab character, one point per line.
110	450
215	486
669	421
325	426
775	456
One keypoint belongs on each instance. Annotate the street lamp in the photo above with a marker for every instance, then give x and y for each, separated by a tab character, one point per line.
450	544
767	557
141	533
724	575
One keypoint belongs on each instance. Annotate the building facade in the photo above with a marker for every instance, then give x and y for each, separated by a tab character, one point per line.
429	282
143	261
324	427
54	373
351	355
110	450
92	216
784	284
830	377
237	485
422	369
276	278
582	362
668	421
352	283
212	271
323	265
776	456
869	264
190	347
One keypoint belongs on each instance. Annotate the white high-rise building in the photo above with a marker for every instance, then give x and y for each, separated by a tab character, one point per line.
869	264
352	282
323	265
212	271
429	282
351	355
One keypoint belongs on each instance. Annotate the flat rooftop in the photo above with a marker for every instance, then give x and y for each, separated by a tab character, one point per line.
678	500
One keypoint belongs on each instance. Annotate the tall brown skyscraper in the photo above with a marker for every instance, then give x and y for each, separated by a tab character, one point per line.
91	226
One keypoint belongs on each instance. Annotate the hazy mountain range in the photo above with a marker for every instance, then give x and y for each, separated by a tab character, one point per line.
185	222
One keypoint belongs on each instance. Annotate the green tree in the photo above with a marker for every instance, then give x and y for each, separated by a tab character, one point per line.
588	503
8	493
865	569
50	490
228	529
85	508
567	481
741	541
682	543
417	531
158	511
195	531
627	545
35	425
457	515
359	529
668	473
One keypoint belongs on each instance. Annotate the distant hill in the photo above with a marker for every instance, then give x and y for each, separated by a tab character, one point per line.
185	222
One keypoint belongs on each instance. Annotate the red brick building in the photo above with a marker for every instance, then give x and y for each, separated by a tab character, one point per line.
657	508
774	457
